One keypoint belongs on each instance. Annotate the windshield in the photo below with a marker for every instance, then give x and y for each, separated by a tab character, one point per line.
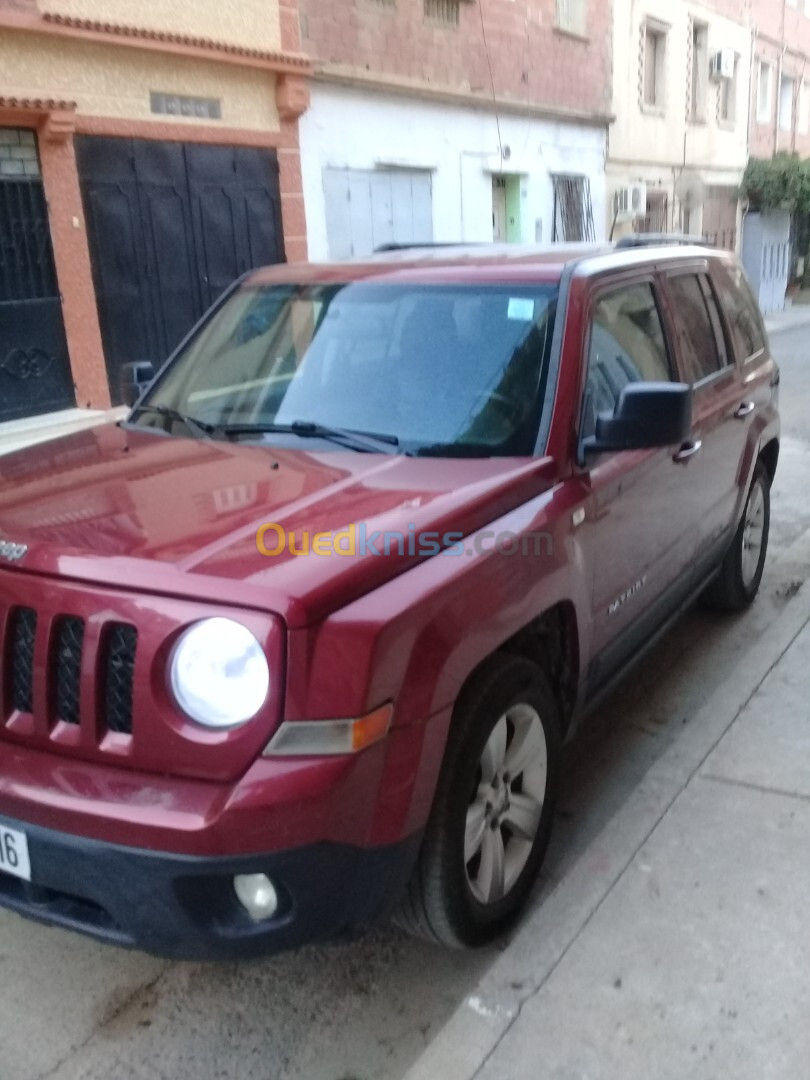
448	370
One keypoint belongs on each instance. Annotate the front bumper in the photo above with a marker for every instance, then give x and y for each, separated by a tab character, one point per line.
185	907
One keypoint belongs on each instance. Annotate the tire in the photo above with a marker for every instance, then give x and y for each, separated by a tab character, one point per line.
737	584
508	714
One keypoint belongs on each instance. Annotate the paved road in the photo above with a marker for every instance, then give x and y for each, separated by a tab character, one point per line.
72	1010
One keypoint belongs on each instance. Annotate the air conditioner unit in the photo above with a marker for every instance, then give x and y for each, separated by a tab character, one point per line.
723	64
631	202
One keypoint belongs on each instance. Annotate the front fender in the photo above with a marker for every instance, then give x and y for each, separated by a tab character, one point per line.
418	638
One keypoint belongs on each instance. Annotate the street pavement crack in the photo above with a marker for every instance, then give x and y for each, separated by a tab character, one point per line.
751	786
121	1008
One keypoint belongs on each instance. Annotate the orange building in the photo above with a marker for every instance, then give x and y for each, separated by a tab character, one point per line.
149	154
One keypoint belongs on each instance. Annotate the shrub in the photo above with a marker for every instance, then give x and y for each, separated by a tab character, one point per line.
781	182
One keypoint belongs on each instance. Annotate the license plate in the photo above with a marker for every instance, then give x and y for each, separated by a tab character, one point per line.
14	853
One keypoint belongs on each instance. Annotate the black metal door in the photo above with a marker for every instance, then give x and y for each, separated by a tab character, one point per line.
35	374
170	226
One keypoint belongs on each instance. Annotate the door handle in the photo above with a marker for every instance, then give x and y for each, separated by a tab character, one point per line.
688	451
744	410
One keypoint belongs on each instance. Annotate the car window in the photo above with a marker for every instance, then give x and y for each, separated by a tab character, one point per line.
444	370
627	344
742	313
699	332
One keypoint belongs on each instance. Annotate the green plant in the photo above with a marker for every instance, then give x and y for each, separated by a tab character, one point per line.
781	182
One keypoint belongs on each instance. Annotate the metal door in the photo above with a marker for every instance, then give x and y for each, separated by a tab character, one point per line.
171	225
499	209
766	257
35	374
366	208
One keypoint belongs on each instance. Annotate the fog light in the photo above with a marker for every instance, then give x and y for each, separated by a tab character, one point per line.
257	895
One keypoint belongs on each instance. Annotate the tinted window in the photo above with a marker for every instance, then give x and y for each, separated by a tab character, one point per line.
742	314
696	329
627	345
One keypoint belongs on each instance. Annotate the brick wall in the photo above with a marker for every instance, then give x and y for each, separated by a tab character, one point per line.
737	10
783	41
532	60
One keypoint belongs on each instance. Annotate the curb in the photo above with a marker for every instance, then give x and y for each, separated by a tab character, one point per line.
793	320
485	1017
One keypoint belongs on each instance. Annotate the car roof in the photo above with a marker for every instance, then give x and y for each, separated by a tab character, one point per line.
471	263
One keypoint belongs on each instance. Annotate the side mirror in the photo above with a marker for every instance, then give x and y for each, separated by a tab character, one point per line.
134	379
647	416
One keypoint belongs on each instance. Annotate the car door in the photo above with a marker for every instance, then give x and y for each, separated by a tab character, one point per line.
721	413
758	375
642	509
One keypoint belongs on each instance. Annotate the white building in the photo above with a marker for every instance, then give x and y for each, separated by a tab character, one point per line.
679	142
382	167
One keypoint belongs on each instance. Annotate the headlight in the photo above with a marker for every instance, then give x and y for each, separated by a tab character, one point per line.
219	673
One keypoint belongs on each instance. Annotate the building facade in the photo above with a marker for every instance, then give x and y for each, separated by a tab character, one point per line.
776	245
149	153
679	143
780	87
450	120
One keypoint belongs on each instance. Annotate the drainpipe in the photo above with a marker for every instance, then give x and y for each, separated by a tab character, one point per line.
777	123
780	70
753	102
753	95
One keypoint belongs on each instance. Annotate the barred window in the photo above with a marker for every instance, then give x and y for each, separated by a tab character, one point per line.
655	55
442	12
573	209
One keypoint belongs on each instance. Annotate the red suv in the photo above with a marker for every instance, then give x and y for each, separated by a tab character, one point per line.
298	643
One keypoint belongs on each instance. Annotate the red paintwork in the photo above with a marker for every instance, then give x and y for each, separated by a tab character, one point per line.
181	516
131	525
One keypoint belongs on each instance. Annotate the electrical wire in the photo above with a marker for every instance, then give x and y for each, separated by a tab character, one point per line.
491	77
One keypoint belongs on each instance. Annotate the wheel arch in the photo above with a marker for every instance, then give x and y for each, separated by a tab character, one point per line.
551	641
769	456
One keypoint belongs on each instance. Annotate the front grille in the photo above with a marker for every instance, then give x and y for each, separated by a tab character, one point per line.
69	645
23	633
120	672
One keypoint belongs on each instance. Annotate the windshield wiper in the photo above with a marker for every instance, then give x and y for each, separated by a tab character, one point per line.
175	414
368	442
375	442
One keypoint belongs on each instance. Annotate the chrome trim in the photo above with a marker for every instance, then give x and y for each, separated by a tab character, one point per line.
12	552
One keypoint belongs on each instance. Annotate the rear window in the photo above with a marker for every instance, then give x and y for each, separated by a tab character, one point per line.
742	313
699	336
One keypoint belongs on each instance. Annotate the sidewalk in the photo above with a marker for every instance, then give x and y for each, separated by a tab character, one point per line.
792	318
679	946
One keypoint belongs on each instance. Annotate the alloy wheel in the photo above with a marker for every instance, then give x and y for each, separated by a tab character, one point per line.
504	813
753	533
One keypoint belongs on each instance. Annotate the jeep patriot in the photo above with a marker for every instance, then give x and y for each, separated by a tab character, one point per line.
298	643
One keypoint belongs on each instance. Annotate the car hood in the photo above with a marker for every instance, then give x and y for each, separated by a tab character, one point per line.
181	516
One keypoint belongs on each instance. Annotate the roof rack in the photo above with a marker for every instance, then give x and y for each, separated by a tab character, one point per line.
383	248
638	240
